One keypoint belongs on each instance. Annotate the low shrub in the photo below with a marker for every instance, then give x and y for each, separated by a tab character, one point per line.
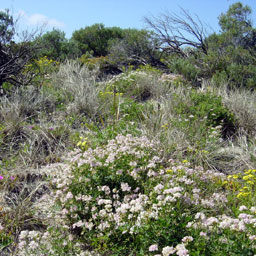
121	200
209	107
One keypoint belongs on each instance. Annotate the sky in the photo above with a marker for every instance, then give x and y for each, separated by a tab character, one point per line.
71	15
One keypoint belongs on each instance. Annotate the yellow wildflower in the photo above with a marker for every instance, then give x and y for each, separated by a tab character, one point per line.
250	182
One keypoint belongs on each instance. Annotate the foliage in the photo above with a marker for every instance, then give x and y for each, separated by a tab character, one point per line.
42	69
13	57
142	84
227	57
236	21
209	107
137	47
96	39
55	46
7	29
105	66
186	68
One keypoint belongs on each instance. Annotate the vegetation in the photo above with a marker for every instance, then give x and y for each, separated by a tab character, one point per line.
13	57
122	143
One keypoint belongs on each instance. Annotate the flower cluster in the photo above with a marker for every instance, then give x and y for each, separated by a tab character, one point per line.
244	183
122	197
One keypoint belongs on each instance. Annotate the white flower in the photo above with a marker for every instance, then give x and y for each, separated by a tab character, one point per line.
203	234
22	244
168	250
153	247
243	208
210	221
23	234
33	245
253	209
181	250
158	188
187	239
125	187
69	195
32	234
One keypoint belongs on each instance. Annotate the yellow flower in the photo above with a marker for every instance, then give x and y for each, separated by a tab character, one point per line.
224	182
248	171
165	126
169	171
249	182
243	194
247	177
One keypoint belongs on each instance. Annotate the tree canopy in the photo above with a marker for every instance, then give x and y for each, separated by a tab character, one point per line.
96	39
55	45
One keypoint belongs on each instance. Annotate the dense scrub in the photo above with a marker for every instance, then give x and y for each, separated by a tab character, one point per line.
152	166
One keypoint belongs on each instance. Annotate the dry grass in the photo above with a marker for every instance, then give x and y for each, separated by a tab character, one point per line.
79	86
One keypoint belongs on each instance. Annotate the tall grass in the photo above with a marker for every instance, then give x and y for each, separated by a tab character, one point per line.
80	88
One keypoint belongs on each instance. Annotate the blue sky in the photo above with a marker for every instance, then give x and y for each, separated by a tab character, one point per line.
71	15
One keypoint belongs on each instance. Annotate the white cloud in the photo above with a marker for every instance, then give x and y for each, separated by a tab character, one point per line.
38	19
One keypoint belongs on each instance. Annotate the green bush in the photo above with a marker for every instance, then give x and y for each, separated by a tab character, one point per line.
186	68
210	108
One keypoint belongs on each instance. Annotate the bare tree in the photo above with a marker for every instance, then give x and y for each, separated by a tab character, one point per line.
176	32
13	56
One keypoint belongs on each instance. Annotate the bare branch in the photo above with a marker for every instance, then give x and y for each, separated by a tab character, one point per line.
175	32
14	56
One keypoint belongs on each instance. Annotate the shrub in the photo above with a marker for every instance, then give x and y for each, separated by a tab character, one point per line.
120	200
186	68
209	107
141	84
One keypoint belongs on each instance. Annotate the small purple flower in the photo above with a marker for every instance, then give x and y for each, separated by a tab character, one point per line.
51	128
12	178
1	177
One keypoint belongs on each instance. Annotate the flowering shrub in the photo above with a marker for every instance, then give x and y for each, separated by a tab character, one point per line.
120	199
125	81
140	84
41	70
244	184
82	143
43	66
54	241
